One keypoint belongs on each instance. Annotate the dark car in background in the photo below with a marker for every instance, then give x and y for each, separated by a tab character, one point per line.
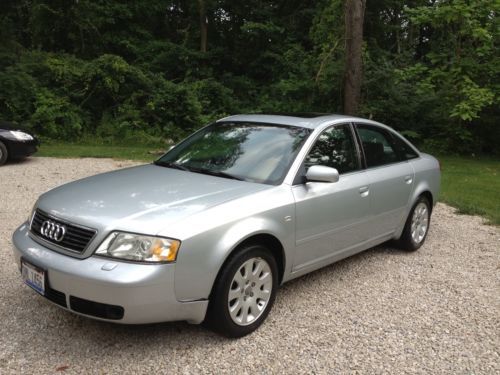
16	142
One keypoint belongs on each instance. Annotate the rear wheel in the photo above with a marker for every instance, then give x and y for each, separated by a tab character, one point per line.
3	153
244	292
417	225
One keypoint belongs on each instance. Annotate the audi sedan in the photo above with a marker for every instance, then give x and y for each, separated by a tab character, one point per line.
209	231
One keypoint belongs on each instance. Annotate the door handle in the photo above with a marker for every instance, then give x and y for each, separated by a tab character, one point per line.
364	191
408	179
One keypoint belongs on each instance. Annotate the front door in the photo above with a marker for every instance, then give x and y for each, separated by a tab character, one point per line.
331	217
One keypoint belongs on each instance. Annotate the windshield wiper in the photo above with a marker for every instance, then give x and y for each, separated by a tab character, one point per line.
217	173
169	164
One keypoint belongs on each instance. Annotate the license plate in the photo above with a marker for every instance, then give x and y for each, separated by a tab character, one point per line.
33	276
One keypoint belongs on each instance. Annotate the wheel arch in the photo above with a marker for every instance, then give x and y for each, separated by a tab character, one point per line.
421	190
266	239
427	194
272	243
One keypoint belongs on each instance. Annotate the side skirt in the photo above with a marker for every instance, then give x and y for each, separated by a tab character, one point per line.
332	258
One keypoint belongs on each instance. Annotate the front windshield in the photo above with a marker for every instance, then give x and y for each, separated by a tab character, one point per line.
252	152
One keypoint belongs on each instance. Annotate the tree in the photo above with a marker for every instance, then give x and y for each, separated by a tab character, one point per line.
459	69
354	18
203	25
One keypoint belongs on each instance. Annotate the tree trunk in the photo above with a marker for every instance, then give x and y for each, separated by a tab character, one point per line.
354	17
203	25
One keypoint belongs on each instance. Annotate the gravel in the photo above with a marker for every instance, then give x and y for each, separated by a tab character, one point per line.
433	311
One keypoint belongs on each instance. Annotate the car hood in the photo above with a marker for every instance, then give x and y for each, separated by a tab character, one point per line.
143	199
5	126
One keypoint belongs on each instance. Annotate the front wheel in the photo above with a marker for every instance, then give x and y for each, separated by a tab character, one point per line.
244	292
417	225
3	153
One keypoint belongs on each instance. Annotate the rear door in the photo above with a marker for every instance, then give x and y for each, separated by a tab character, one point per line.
331	217
391	179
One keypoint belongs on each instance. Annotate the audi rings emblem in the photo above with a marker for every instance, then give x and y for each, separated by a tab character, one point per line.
53	231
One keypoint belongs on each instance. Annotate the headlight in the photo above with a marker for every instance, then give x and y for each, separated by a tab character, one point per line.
21	136
139	248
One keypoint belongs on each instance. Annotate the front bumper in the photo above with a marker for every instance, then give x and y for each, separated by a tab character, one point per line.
22	149
144	291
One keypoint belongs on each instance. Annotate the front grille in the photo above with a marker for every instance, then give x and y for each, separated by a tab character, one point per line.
76	238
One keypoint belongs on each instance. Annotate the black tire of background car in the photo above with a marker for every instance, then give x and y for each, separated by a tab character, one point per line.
218	318
3	153
406	241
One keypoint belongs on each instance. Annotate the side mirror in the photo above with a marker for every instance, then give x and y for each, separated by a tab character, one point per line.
171	147
321	173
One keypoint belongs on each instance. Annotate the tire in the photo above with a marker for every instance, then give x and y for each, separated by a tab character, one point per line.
251	276
416	226
4	154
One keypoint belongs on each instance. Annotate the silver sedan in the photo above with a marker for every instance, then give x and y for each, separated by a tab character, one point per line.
209	231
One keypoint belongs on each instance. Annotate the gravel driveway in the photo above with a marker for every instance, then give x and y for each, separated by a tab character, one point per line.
433	311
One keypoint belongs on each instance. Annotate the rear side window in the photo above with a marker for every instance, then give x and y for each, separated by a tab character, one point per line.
377	146
405	150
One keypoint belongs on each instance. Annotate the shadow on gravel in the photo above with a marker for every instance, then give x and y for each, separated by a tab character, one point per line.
20	162
346	267
76	336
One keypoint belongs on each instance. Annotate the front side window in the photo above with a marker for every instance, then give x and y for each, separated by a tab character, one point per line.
334	148
377	146
253	152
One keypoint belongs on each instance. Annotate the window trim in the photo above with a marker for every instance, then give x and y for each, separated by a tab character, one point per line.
359	146
299	176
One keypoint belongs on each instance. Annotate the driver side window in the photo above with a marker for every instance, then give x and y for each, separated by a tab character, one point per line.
334	148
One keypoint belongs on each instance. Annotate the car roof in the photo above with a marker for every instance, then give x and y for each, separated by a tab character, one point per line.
305	120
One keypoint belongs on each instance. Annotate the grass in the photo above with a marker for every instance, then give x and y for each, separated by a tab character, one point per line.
71	150
472	185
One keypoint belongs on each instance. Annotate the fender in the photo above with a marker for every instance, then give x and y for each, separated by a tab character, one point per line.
424	168
253	227
196	270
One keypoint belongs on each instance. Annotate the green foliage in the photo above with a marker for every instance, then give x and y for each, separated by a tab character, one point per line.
125	71
63	97
215	99
56	117
327	35
474	99
16	94
460	69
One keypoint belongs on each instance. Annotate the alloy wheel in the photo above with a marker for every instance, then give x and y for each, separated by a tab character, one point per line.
419	222
250	291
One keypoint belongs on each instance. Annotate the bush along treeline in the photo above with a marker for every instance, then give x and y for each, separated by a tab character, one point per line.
151	69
